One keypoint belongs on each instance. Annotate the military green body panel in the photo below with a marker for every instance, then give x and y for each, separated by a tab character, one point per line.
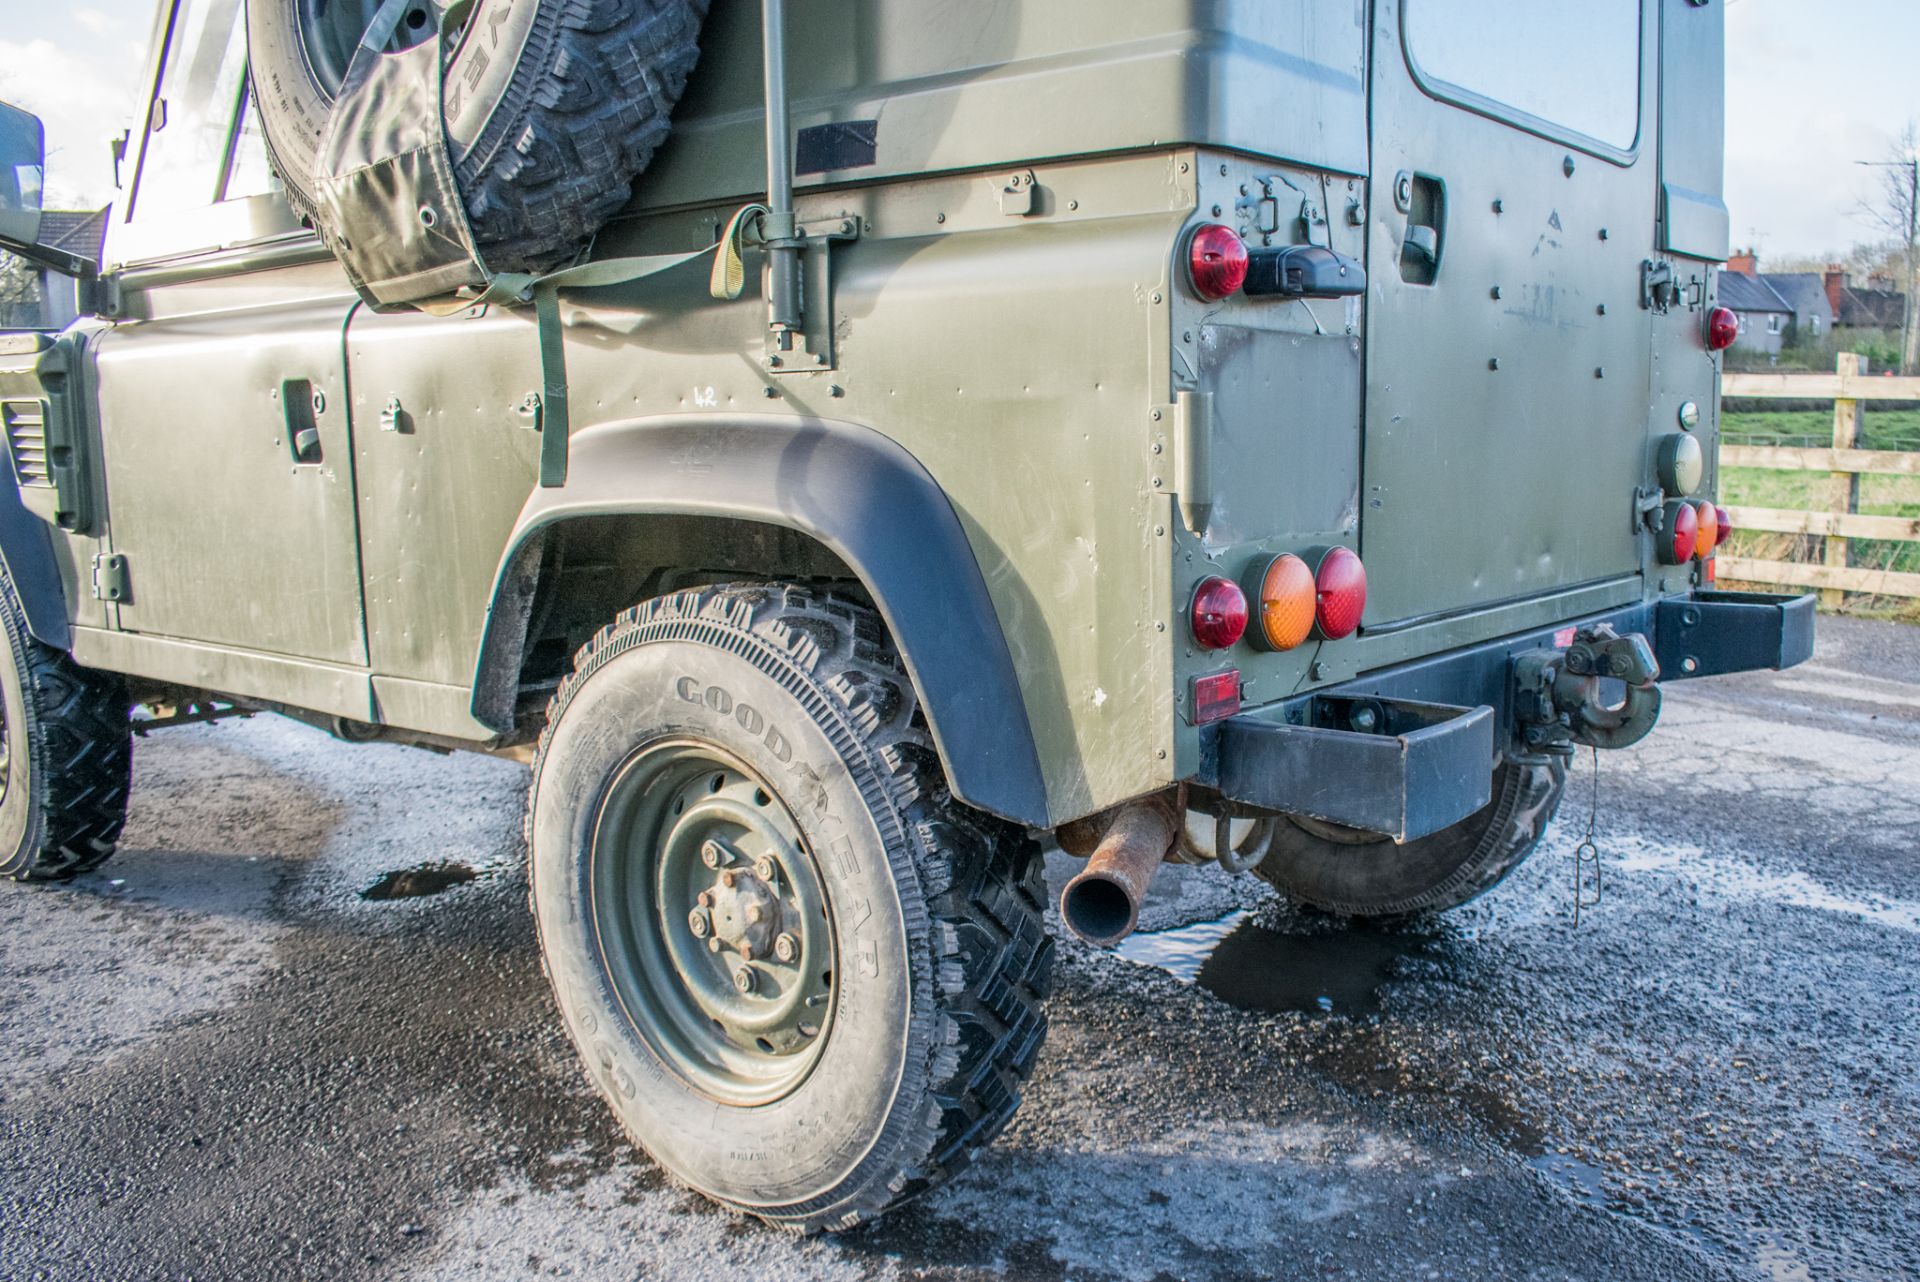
72	553
963	84
231	537
445	458
1504	432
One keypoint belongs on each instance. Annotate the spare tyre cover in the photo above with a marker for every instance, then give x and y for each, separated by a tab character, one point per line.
552	107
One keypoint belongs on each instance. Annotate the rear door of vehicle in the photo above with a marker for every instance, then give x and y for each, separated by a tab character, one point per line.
1513	190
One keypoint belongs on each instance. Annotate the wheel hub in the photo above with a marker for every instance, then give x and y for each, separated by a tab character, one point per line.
714	922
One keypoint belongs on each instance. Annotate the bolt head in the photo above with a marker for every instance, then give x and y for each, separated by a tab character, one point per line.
713	944
711	855
765	869
786	948
755	913
699	923
706	899
743	980
726	878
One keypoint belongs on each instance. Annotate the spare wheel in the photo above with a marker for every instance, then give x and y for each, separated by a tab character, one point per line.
552	106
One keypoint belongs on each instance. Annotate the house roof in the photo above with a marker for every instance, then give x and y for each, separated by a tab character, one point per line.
1744	293
78	231
1871	308
1805	292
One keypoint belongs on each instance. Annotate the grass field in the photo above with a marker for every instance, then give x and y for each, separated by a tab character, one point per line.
1879	495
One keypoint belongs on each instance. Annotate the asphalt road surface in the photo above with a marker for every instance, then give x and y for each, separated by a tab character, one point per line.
218	1059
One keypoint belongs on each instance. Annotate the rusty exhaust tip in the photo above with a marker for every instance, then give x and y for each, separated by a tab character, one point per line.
1102	904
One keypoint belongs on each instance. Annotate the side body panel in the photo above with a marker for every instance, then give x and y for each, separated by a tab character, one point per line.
233	536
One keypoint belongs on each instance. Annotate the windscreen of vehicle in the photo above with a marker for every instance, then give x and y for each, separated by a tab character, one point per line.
1572	66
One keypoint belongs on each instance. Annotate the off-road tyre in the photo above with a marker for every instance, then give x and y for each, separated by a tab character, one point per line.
69	756
937	909
1357	874
553	108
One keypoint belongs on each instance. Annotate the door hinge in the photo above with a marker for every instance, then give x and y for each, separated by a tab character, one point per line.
110	580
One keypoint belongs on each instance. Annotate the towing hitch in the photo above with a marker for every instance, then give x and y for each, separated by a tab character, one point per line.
1560	699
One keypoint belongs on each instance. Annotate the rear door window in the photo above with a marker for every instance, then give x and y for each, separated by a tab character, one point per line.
1552	66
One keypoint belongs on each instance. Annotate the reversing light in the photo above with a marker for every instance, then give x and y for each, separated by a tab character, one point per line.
1285	602
1679	526
1219	614
1722	328
1708	536
1216	261
1680	463
1340	586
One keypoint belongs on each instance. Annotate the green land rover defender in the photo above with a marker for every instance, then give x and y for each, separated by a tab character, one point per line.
846	444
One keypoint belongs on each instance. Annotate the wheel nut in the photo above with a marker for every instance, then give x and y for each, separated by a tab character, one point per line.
786	948
764	868
713	945
743	979
755	913
706	899
726	879
698	923
711	855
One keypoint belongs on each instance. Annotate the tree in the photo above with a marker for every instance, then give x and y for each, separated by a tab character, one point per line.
19	293
1896	209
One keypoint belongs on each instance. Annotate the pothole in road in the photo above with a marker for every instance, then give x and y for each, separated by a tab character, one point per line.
1340	971
423	879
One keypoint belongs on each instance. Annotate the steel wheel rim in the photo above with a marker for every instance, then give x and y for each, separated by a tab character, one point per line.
677	928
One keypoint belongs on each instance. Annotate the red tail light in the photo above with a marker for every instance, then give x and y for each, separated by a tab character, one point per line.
1219	613
1725	523
1340	586
1216	261
1722	328
1678	529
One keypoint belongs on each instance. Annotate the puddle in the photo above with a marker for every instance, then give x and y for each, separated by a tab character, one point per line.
412	883
1339	971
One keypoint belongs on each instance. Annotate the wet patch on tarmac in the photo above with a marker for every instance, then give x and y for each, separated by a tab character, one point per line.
420	881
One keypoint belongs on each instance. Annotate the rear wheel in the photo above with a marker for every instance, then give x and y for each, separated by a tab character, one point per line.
1363	874
66	756
806	979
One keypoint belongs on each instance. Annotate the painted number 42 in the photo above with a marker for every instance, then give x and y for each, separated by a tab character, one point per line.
705	398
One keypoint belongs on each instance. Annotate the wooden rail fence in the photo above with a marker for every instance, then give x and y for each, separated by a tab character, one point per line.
1840	520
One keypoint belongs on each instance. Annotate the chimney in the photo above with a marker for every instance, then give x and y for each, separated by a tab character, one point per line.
1746	262
1836	281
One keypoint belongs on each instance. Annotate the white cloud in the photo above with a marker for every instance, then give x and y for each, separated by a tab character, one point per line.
95	21
83	105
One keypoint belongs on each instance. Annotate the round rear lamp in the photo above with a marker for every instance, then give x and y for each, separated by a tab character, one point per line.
1286	598
1340	586
1725	523
1679	526
1216	261
1681	463
1708	537
1219	613
1722	328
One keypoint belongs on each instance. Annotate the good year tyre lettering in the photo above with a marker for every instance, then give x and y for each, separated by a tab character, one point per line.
750	718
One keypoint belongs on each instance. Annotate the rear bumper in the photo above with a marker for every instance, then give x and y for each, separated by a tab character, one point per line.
1410	750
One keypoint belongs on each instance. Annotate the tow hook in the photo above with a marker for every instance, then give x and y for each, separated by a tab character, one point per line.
1558	701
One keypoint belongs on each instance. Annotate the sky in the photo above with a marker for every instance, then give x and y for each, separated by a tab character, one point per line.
1812	86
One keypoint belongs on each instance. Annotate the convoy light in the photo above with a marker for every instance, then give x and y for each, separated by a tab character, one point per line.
1722	328
1340	584
1681	463
1287	597
1216	261
1219	613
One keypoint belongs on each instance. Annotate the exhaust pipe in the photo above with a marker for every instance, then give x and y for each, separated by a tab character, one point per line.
1126	846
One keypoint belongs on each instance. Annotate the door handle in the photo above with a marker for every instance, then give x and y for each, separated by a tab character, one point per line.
1423	199
301	404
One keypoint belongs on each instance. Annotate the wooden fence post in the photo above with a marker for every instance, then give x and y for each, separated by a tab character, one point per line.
1844	490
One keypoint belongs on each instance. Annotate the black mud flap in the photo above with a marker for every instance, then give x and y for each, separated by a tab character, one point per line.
1391	766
